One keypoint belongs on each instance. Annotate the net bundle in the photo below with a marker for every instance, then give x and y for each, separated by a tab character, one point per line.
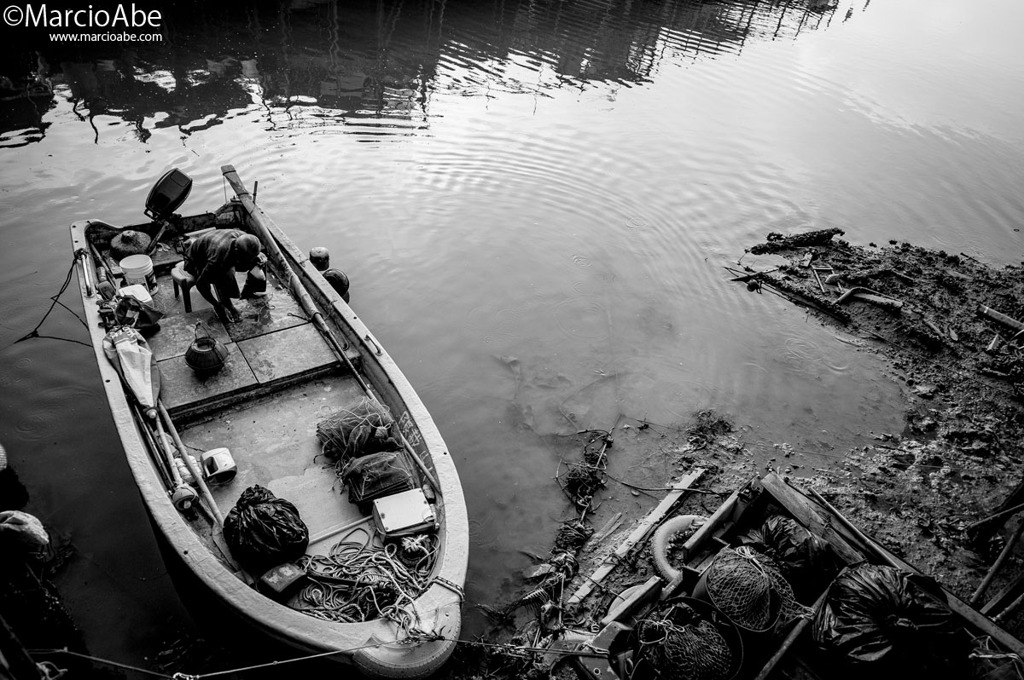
376	475
696	650
748	588
357	429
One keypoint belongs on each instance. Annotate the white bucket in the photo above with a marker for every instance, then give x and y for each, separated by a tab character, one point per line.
138	269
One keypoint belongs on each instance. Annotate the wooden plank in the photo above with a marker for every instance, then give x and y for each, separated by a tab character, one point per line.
714	522
636	536
180	386
284	353
806	512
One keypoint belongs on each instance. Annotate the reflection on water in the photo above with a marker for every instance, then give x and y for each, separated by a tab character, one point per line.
534	202
316	65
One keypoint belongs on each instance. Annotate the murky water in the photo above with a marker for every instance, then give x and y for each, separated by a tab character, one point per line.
534	202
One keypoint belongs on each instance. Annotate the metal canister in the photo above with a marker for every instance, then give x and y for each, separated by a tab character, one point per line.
218	466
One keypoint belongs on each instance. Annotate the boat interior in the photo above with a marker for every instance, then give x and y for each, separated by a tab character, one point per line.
279	379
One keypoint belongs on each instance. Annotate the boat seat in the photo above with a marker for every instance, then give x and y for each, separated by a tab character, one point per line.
184	282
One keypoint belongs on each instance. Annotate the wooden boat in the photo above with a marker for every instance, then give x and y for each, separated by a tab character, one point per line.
297	354
787	651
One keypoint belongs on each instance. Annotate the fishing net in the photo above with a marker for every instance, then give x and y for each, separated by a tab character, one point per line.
376	475
806	561
356	430
748	588
684	644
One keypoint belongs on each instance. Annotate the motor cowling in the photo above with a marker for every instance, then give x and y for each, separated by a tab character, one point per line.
168	194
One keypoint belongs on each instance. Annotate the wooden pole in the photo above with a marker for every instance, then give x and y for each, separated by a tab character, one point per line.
1004	554
868	543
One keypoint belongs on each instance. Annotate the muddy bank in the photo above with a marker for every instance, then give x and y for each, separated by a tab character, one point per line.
948	327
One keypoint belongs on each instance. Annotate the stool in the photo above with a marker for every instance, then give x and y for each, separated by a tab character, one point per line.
184	282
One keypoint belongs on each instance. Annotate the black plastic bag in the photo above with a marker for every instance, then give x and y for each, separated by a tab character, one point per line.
805	560
264	531
891	623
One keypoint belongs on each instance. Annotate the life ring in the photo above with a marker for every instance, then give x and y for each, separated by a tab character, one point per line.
664	534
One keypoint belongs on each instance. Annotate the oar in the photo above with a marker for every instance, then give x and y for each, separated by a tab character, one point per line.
218	517
309	306
183	495
183	452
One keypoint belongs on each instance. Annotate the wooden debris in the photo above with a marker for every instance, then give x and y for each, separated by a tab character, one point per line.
776	241
868	295
1001	318
636	536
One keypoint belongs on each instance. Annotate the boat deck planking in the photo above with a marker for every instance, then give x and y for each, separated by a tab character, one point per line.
273	441
271	435
272	345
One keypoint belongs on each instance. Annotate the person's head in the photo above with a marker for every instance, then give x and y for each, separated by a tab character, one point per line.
245	251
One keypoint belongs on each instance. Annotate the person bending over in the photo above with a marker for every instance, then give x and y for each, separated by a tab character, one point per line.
212	260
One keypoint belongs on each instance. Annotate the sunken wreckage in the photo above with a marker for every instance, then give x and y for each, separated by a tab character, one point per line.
237	431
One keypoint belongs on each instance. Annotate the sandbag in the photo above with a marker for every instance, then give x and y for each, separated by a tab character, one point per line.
263	530
376	475
890	623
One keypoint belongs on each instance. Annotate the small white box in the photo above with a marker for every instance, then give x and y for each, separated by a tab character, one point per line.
403	513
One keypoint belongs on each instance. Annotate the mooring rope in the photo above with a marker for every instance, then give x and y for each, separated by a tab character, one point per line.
34	333
358	581
586	650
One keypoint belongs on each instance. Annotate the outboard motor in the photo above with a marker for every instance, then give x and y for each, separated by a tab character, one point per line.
167	195
164	198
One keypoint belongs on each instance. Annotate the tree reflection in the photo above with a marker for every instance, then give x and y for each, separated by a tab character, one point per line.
317	63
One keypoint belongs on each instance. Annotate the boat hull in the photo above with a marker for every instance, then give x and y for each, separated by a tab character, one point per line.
379	647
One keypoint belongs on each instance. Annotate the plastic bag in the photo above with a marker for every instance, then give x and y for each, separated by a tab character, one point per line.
888	622
805	560
24	529
377	475
263	530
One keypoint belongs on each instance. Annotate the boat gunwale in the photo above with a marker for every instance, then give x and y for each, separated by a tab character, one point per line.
360	642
